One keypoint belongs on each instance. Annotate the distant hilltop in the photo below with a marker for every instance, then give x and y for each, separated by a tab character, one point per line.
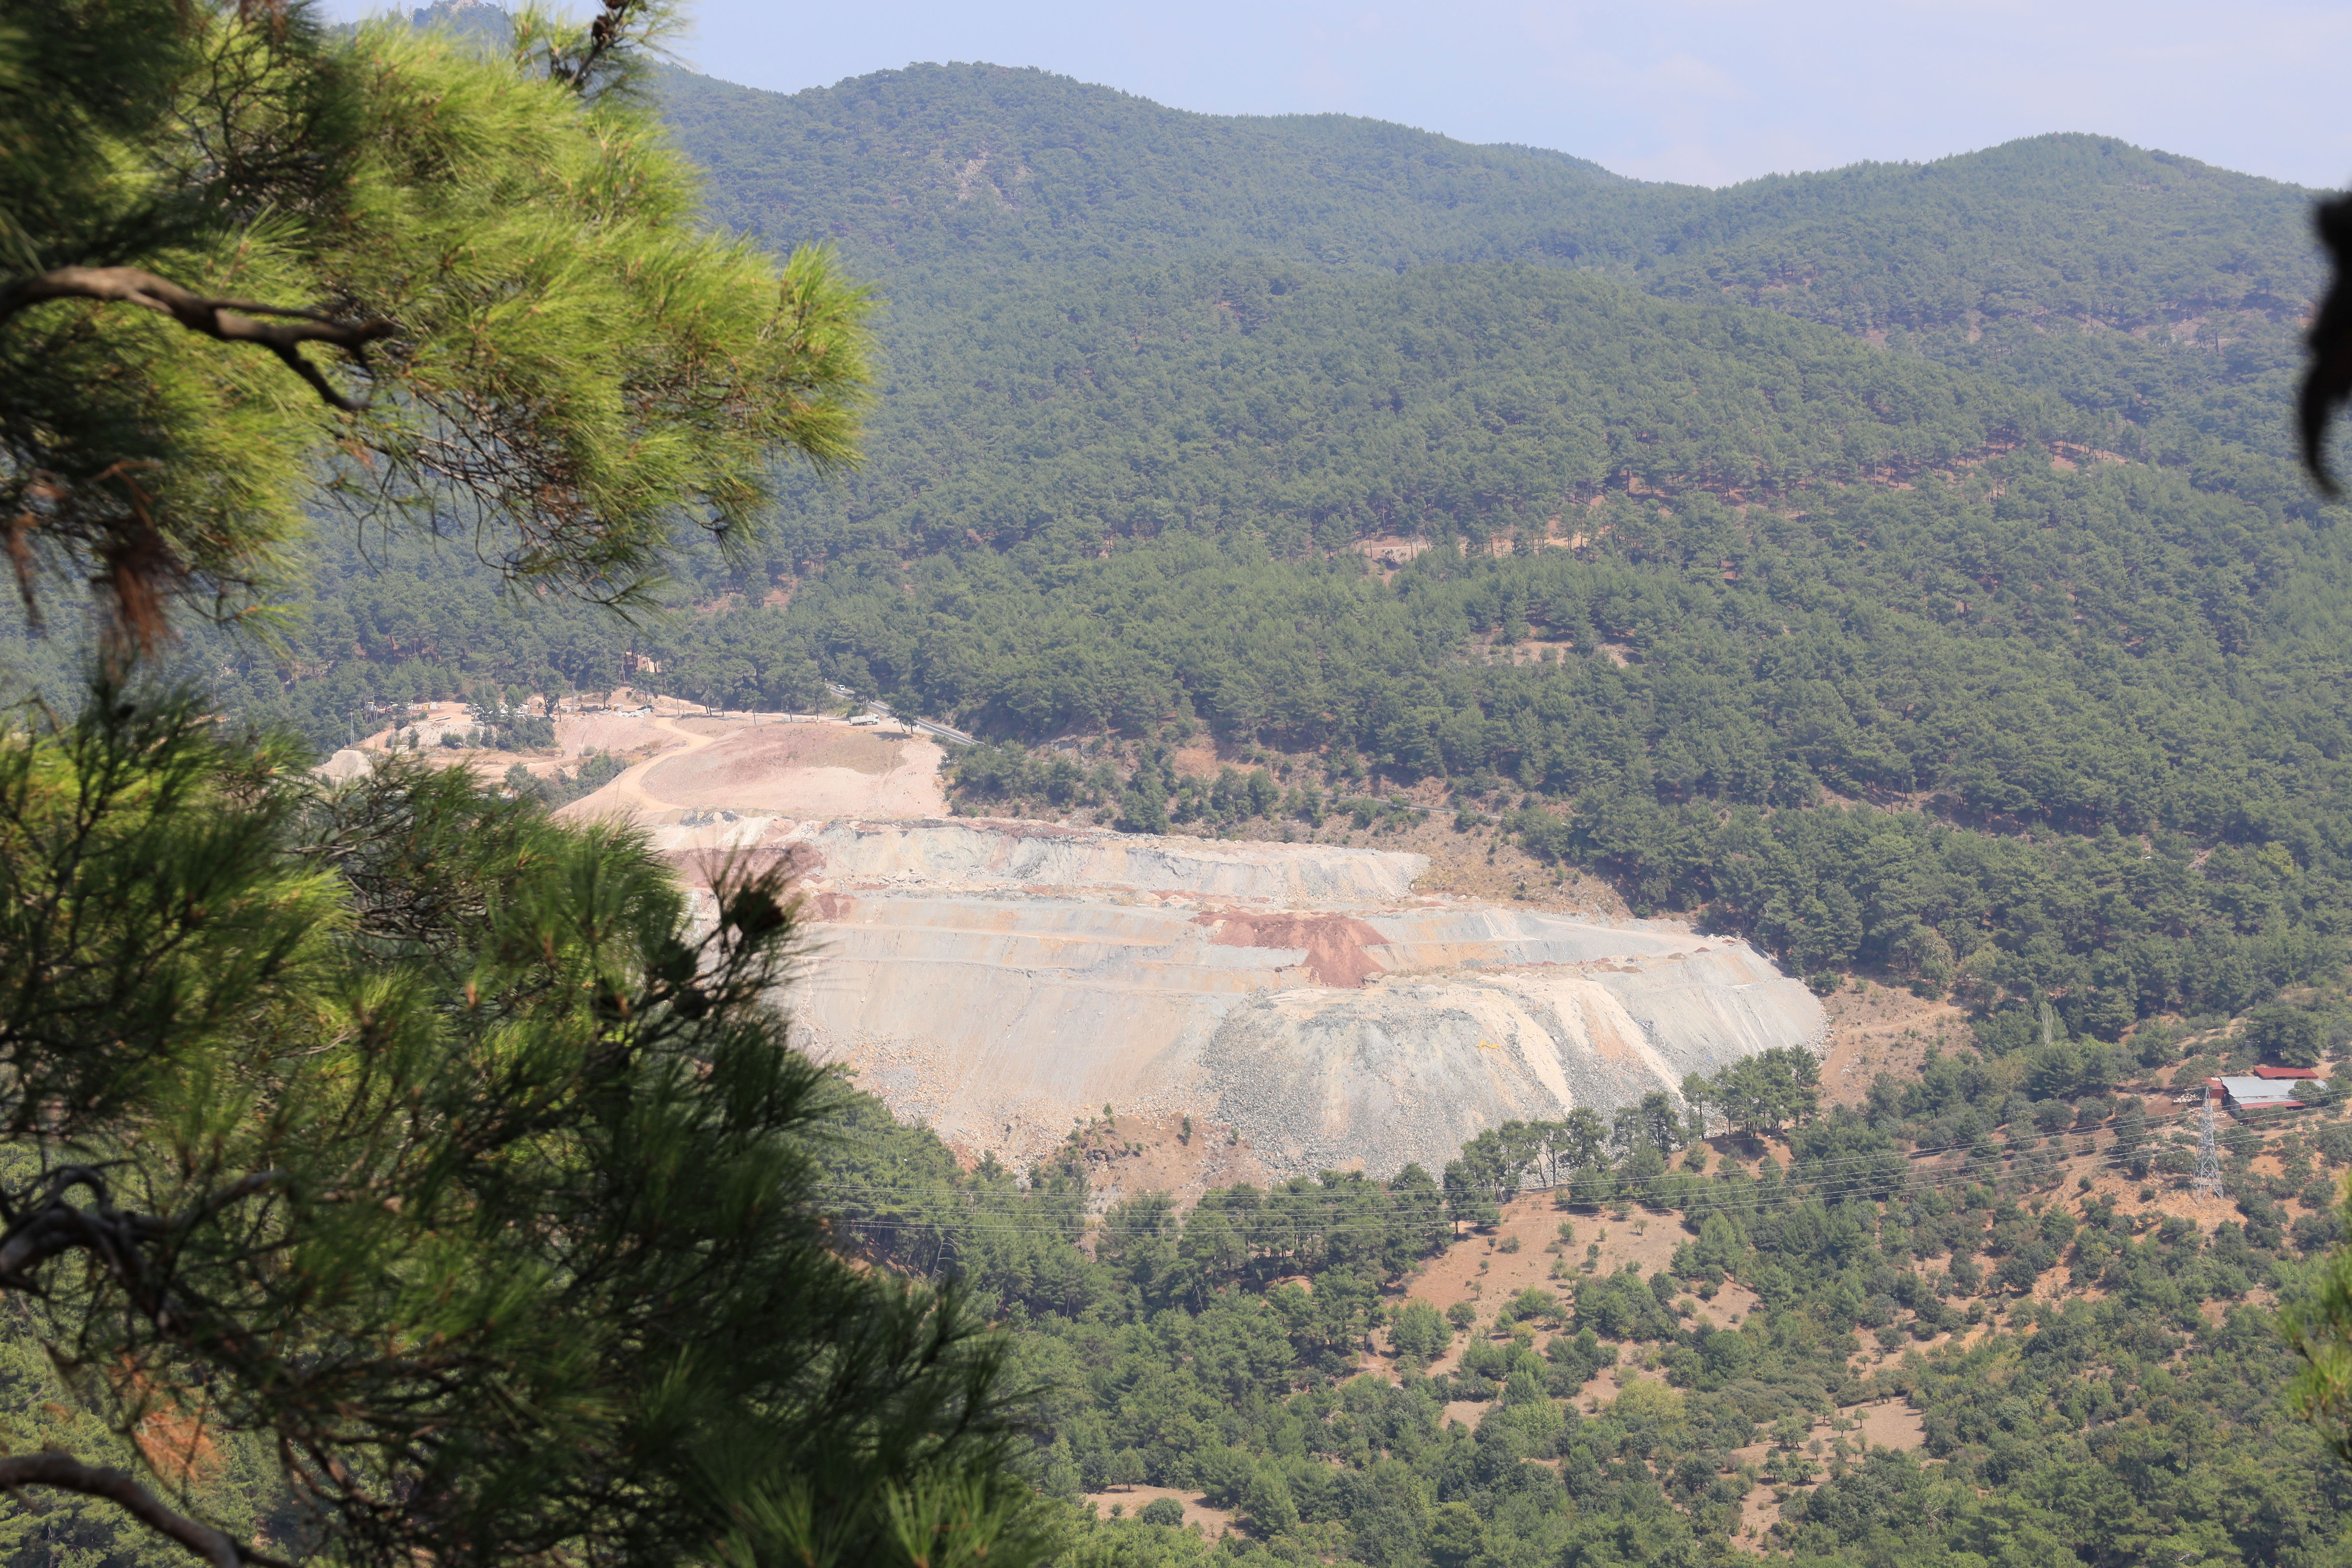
480	18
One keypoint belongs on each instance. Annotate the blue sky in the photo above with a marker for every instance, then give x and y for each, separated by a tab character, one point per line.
1708	91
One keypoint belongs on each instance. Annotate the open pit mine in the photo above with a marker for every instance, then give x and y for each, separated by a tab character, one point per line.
1002	979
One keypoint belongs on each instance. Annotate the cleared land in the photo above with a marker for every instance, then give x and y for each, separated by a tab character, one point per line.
802	771
1321	1003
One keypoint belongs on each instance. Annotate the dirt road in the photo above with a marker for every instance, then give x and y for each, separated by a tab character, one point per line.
626	790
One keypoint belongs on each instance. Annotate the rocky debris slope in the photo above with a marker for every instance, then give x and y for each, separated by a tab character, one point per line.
1035	857
1001	980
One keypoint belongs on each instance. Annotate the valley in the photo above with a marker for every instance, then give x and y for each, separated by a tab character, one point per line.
1609	837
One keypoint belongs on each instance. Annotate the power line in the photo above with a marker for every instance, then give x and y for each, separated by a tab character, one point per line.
1859	1169
1271	1219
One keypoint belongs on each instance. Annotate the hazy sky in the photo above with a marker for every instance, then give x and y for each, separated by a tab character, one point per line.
1703	91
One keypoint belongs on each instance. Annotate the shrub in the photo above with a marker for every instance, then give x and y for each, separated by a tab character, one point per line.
1534	1302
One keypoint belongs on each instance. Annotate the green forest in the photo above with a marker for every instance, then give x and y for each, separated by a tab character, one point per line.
1835	646
2097	1383
2124	1415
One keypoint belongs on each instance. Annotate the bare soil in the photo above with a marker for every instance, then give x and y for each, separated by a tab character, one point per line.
638	739
757	747
1483	864
1127	1156
1478	1270
1880	1029
619	733
1214	1522
1883	1423
811	768
1335	943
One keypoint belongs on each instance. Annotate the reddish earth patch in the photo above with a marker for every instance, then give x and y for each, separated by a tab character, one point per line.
177	1445
1198	760
828	905
1469	1412
1335	943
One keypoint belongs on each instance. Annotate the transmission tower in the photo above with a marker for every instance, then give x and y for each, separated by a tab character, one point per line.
2208	1183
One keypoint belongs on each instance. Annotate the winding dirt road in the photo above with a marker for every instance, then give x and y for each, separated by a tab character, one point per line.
627	788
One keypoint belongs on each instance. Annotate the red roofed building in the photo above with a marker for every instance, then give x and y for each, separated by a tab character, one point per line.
2266	1070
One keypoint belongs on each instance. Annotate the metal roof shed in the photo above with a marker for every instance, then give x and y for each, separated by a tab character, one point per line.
2263	1093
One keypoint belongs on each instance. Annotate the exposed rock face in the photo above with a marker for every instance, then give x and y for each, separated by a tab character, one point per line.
345	765
999	978
1031	857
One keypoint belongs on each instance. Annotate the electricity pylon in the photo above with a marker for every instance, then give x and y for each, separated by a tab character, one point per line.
2208	1183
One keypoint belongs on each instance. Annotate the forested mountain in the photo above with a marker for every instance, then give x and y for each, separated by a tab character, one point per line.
942	179
1902	564
948	166
976	165
1310	410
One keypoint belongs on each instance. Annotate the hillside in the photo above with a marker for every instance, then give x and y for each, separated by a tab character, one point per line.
1971	629
979	167
1975	633
2136	282
1959	1324
1310	410
1594	846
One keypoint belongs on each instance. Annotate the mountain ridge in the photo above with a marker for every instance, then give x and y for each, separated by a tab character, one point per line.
2139	285
982	123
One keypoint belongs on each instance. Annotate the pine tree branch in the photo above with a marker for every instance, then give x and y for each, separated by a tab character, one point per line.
66	1473
2328	382
603	34
118	1237
230	321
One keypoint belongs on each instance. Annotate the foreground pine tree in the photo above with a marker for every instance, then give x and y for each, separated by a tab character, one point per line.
239	256
419	1145
424	1136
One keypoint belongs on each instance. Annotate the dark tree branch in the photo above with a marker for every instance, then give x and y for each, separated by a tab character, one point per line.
66	1473
230	321
2329	381
118	1238
603	34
